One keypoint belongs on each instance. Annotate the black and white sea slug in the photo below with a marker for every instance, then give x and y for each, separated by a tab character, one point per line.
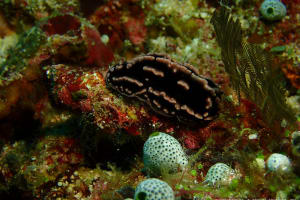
170	88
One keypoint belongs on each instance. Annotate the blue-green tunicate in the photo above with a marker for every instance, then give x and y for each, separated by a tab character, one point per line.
272	10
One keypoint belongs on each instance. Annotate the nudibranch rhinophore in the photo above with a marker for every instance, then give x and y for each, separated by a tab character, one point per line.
170	88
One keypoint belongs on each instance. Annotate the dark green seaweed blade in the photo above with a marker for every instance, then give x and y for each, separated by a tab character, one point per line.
251	69
229	37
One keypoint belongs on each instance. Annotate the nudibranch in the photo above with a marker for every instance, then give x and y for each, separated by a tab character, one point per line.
170	88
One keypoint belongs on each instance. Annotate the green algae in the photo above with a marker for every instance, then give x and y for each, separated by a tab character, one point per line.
252	70
28	44
6	44
179	29
278	49
37	6
154	134
8	8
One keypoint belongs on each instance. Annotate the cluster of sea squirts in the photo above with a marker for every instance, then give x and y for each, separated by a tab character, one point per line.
163	155
145	78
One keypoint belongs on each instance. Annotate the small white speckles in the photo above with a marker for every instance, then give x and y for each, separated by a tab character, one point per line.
105	39
128	79
118	67
208	118
208	103
88	86
128	91
154	71
156	103
198	116
129	66
183	84
252	136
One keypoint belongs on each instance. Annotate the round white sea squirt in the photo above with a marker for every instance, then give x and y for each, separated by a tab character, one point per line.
153	189
162	153
279	163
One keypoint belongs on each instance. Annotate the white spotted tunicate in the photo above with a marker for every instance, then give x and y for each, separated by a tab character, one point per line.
279	163
219	174
153	189
162	153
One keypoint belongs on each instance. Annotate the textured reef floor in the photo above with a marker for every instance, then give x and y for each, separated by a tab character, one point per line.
221	78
